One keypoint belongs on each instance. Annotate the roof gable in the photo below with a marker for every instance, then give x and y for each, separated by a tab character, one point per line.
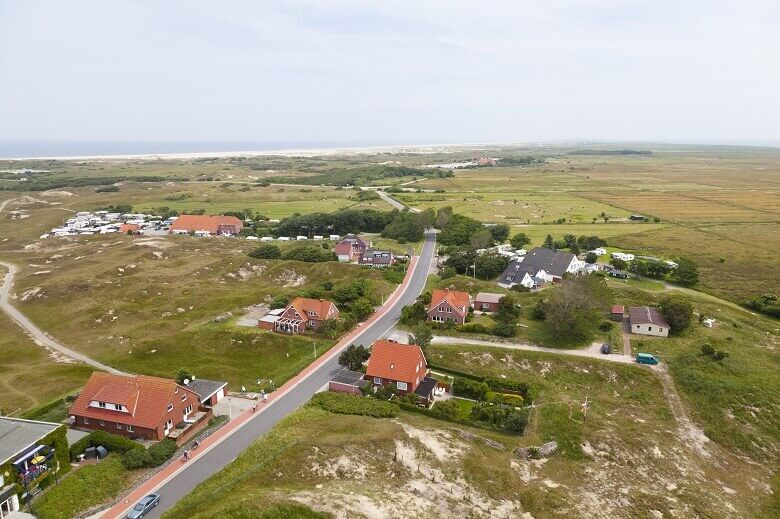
304	305
396	361
458	300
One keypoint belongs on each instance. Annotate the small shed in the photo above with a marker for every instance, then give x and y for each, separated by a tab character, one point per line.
347	381
487	302
268	322
617	312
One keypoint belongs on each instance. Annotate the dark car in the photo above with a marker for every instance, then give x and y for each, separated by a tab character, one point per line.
143	506
606	349
618	274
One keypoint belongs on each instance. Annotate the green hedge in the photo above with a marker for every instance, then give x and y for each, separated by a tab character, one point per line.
455	372
344	403
470	388
474	328
112	443
161	452
504	385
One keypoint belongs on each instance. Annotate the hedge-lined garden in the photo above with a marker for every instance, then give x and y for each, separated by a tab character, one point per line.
343	403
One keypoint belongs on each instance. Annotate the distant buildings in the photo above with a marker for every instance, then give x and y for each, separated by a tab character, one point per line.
377	258
487	302
351	248
305	314
206	225
449	306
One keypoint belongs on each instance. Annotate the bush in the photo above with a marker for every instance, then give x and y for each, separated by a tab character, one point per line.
161	452
504	329
508	385
136	459
605	326
446	410
473	328
309	254
112	443
267	251
470	389
343	403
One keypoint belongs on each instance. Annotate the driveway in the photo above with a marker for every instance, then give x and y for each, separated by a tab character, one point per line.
593	351
35	333
177	480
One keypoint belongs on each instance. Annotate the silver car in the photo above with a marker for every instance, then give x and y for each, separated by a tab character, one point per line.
143	506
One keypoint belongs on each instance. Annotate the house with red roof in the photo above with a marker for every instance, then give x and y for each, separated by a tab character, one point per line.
213	225
139	406
304	314
400	366
351	248
449	306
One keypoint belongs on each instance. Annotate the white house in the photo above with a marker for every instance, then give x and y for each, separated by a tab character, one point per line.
646	320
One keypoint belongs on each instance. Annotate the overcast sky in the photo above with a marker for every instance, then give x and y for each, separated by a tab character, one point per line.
390	72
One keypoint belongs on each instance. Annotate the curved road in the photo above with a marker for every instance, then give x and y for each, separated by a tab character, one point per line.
211	458
36	333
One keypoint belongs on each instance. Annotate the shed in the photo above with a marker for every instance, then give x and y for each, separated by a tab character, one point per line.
268	322
617	312
347	381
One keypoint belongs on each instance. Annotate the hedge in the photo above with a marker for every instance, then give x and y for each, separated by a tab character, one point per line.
508	386
474	328
161	452
136	459
343	403
470	388
112	443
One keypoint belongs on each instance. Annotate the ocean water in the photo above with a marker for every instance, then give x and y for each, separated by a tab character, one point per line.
17	149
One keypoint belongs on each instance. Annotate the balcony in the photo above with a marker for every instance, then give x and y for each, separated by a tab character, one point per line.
38	463
193	423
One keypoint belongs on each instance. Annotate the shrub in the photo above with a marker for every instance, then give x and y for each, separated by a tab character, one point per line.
267	251
678	311
516	421
112	443
504	329
508	385
447	410
136	459
343	403
707	349
161	452
470	388
605	326
474	328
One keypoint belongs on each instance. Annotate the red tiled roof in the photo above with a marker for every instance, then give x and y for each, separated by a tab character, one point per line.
396	361
343	249
145	397
618	309
458	300
303	305
125	227
210	223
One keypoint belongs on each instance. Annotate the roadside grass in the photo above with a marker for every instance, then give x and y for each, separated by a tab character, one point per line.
81	489
30	376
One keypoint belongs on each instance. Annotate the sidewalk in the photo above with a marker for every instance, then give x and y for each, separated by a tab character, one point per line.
168	473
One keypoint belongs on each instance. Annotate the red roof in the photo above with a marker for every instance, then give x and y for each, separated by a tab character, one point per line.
343	249
646	315
146	398
458	300
618	309
210	223
127	227
396	361
320	307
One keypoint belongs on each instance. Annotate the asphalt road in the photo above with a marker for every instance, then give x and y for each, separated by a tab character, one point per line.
36	333
205	465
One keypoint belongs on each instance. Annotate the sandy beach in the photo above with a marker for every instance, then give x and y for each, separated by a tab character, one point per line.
421	149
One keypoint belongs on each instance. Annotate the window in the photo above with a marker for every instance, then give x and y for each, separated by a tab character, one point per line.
102	423
86	421
176	391
102	404
449	309
649	328
118	407
119	426
377	380
170	407
401	386
184	397
129	428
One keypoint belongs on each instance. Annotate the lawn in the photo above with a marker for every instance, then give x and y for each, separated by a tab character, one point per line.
84	488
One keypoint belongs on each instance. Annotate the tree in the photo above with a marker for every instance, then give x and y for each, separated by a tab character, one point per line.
520	240
508	309
414	313
677	311
549	243
618	263
570	240
361	308
267	251
329	327
576	306
422	336
574	248
354	357
481	239
500	232
686	273
490	265
309	254
591	257
461	259
183	374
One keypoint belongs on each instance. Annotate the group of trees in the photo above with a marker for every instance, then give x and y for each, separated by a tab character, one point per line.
574	308
354	357
506	316
462	259
357	176
407	226
677	311
766	304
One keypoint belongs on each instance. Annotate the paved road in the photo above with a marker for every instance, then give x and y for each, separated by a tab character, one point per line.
36	333
212	461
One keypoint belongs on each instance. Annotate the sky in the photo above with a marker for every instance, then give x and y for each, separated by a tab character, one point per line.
390	72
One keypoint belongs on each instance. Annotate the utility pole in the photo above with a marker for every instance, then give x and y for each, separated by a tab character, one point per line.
315	350
585	407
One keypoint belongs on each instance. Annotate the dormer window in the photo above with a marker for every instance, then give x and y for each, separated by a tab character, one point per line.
102	405
170	407
118	407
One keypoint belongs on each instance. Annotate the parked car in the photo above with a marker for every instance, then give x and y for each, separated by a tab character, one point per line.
618	274
143	506
646	358
606	349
